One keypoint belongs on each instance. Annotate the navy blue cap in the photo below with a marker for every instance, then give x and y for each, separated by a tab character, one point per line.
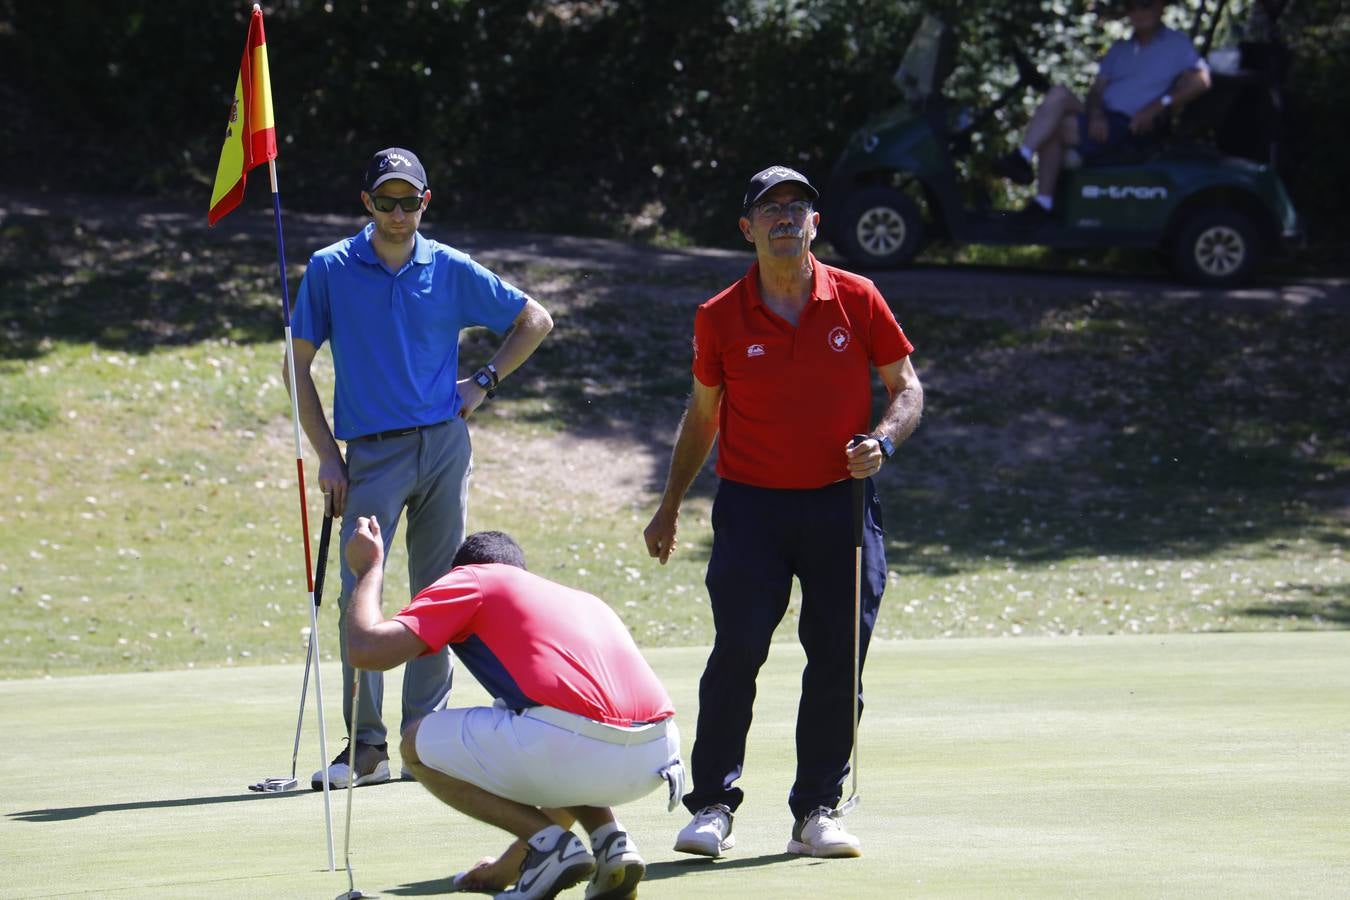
771	177
395	162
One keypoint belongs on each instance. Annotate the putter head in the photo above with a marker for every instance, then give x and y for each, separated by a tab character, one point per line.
353	894
274	785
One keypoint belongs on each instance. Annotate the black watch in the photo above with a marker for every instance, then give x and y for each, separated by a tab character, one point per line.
886	444
483	378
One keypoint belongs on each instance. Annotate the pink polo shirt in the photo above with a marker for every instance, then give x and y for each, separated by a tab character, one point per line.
533	642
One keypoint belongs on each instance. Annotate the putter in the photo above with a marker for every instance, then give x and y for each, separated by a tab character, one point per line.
858	513
281	782
352	893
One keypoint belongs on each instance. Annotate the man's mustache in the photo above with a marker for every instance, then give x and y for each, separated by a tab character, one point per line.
785	231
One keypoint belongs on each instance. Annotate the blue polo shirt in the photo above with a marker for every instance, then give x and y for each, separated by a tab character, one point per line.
1137	74
395	335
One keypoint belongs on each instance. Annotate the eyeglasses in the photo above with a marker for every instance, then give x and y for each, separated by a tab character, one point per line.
386	204
797	209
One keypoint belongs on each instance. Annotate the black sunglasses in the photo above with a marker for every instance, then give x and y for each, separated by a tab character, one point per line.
386	204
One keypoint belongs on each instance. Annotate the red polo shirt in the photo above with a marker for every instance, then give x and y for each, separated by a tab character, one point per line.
794	396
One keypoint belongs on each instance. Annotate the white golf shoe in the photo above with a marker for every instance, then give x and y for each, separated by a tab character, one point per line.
554	861
709	833
618	865
822	835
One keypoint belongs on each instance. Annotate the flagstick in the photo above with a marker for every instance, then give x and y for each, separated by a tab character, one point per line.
304	514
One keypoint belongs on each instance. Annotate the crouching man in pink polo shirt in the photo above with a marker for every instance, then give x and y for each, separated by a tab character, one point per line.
580	723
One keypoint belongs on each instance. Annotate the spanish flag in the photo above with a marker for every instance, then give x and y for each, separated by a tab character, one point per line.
251	134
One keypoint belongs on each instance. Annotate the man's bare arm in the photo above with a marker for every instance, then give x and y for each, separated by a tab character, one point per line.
332	468
898	420
693	443
532	324
373	642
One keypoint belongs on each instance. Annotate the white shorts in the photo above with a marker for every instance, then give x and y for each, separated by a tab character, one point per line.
546	757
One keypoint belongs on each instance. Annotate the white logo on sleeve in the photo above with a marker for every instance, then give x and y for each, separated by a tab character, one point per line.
839	338
754	350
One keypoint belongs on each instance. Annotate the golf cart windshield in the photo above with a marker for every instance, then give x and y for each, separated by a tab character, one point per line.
918	69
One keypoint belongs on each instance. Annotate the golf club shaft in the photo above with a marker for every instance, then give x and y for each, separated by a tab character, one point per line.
323	731
351	777
304	691
858	508
324	535
859	497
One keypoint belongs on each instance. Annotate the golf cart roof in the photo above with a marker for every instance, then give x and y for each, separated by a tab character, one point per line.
918	74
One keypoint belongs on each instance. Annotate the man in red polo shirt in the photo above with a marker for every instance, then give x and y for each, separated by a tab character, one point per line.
782	381
580	723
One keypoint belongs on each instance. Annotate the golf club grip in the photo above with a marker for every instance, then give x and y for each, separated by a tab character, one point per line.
858	498
321	565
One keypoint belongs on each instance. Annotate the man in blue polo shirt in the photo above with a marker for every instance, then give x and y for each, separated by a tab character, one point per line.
391	304
1138	81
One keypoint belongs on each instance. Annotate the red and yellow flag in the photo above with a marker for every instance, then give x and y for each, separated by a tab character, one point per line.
251	134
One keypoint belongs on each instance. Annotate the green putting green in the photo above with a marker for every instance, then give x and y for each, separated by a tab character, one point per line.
1177	765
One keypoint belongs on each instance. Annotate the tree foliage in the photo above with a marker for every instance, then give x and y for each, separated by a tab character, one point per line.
615	116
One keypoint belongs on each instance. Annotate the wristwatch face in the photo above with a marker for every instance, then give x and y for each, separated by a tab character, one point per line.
483	380
887	446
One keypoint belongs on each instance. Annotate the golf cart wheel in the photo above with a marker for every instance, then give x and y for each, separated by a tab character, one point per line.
1216	247
881	228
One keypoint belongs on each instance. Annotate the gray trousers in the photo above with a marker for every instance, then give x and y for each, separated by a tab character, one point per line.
426	474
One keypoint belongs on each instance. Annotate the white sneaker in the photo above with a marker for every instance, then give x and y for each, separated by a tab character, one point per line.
554	861
618	866
821	834
709	833
372	767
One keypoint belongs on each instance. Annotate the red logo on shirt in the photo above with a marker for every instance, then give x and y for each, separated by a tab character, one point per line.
839	338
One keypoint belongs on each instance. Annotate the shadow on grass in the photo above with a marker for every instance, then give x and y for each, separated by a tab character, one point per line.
683	867
67	813
1317	605
655	872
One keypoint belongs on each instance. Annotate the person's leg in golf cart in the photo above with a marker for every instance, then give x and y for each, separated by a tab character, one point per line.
749	583
1039	158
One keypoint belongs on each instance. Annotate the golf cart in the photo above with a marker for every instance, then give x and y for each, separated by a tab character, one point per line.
1212	212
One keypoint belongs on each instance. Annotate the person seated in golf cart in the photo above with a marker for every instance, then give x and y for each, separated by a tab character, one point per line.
1138	81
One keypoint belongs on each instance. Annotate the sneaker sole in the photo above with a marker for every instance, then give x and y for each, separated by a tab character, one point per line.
702	849
571	876
841	851
379	775
620	884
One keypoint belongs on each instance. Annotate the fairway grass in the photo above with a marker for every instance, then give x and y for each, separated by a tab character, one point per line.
1146	766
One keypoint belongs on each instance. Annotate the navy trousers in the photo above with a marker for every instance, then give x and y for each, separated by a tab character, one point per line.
762	539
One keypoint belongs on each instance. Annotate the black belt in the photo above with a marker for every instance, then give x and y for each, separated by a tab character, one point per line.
398	432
